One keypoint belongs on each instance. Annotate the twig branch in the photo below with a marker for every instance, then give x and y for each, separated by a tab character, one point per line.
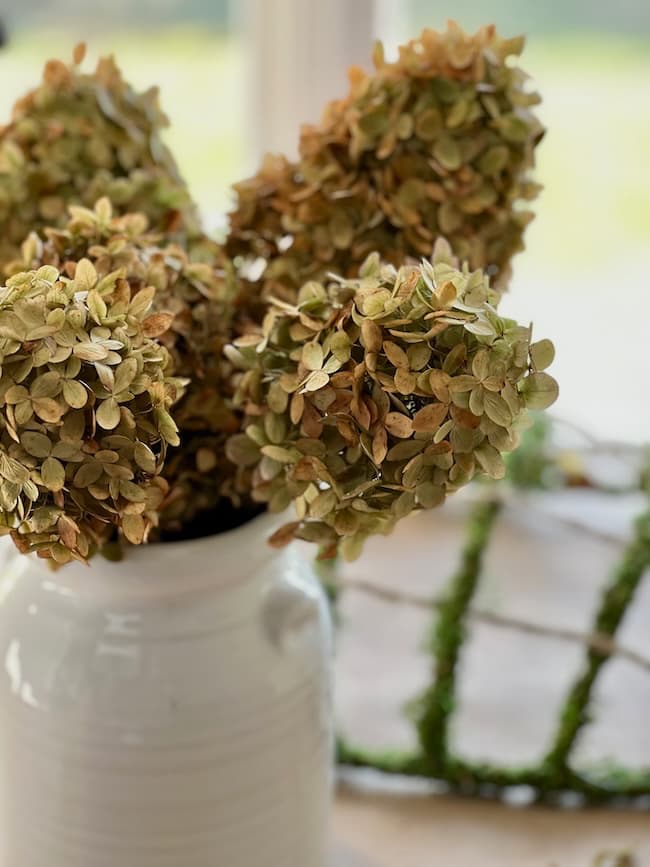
581	527
599	642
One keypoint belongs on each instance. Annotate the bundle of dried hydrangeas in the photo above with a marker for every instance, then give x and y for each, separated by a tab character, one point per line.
439	143
193	310
84	420
78	137
374	397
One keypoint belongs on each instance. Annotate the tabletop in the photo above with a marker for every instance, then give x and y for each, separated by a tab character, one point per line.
380	830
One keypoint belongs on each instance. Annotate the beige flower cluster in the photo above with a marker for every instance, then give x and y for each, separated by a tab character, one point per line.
150	389
368	399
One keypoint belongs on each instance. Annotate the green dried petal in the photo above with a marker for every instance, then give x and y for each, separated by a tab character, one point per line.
144	457
428	124
242	451
542	354
447	152
323	505
429	495
312	356
276	453
340	346
74	394
134	528
85	278
490	460
108	414
496	409
318	379
36	444
494	160
53	474
539	390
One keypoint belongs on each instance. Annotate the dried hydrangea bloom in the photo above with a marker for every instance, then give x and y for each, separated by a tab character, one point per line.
371	398
80	136
191	318
84	410
439	143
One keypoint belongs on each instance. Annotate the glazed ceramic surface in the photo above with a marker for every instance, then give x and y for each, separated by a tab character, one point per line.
172	710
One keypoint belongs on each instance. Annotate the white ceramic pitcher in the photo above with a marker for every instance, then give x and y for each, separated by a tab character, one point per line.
170	710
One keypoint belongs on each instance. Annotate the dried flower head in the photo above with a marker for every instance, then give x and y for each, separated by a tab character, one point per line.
438	143
84	410
191	316
374	397
80	136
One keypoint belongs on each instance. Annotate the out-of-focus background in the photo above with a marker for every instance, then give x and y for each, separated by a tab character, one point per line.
236	79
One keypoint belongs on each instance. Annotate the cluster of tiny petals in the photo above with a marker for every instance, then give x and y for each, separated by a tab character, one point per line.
370	398
77	137
438	143
194	314
85	391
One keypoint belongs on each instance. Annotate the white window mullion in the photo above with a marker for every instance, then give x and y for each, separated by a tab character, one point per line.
298	53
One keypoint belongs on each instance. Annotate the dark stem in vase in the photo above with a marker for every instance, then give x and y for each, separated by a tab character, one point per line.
222	518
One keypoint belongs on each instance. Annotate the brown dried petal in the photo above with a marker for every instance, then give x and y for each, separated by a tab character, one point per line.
284	535
371	335
379	445
157	324
396	355
429	418
405	381
398	425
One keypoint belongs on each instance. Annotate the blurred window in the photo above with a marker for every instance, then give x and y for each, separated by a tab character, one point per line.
585	277
190	48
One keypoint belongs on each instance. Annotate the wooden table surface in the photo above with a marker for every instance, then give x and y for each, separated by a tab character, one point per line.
379	830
